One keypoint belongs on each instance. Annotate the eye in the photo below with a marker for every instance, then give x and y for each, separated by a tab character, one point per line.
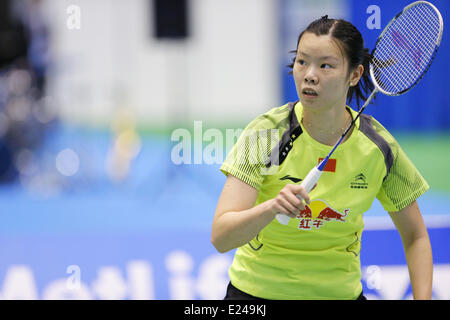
301	62
326	66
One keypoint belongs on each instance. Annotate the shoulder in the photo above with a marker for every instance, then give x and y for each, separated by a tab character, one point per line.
275	118
372	128
381	137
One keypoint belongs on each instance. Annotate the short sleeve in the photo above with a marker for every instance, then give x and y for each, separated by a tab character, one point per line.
247	159
403	184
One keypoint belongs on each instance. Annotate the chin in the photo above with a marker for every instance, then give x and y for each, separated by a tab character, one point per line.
308	102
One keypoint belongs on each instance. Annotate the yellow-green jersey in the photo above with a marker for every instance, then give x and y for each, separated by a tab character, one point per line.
315	256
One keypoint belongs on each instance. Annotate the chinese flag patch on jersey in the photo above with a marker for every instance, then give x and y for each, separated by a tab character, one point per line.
330	166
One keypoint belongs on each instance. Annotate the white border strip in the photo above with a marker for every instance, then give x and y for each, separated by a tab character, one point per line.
385	223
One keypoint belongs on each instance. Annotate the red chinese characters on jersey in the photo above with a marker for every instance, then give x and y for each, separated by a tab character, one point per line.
317	214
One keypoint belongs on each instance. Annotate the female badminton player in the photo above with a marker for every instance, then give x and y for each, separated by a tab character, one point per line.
317	254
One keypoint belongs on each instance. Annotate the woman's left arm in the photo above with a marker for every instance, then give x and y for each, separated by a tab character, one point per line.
412	229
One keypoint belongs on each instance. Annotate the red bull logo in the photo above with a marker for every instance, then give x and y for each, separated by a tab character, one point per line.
317	213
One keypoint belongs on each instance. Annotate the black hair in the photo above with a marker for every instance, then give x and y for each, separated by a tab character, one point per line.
351	40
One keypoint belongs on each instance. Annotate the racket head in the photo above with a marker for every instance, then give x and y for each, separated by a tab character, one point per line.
406	48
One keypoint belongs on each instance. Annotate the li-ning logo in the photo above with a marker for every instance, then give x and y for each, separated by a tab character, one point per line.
359	182
288	177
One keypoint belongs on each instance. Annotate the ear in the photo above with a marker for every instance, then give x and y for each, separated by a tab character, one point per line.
356	74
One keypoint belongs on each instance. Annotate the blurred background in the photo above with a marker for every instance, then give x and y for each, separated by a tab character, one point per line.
116	115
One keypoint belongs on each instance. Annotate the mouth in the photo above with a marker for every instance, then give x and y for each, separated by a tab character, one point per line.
309	93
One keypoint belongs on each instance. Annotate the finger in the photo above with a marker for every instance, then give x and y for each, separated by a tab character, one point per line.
295	201
301	192
286	208
292	209
286	213
288	195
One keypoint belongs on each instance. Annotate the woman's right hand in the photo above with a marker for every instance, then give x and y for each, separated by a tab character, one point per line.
288	202
237	220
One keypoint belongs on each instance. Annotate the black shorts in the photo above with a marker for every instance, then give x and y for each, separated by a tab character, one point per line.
234	293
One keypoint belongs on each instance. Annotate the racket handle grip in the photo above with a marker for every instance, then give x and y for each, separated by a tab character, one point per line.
309	182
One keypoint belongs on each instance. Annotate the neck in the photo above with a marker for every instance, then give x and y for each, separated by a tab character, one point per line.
328	126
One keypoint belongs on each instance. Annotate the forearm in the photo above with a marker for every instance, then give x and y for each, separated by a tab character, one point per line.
236	228
420	266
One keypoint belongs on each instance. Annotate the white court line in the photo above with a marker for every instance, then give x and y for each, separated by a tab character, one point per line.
385	222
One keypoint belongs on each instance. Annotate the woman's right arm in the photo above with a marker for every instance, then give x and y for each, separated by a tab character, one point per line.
237	221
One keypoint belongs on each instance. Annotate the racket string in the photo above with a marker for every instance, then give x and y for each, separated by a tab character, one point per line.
405	50
429	45
407	61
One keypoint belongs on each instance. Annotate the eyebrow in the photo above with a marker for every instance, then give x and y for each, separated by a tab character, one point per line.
320	58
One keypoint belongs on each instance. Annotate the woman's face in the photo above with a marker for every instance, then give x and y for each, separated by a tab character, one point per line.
321	73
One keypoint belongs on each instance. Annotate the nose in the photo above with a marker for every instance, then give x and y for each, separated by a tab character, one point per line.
311	76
